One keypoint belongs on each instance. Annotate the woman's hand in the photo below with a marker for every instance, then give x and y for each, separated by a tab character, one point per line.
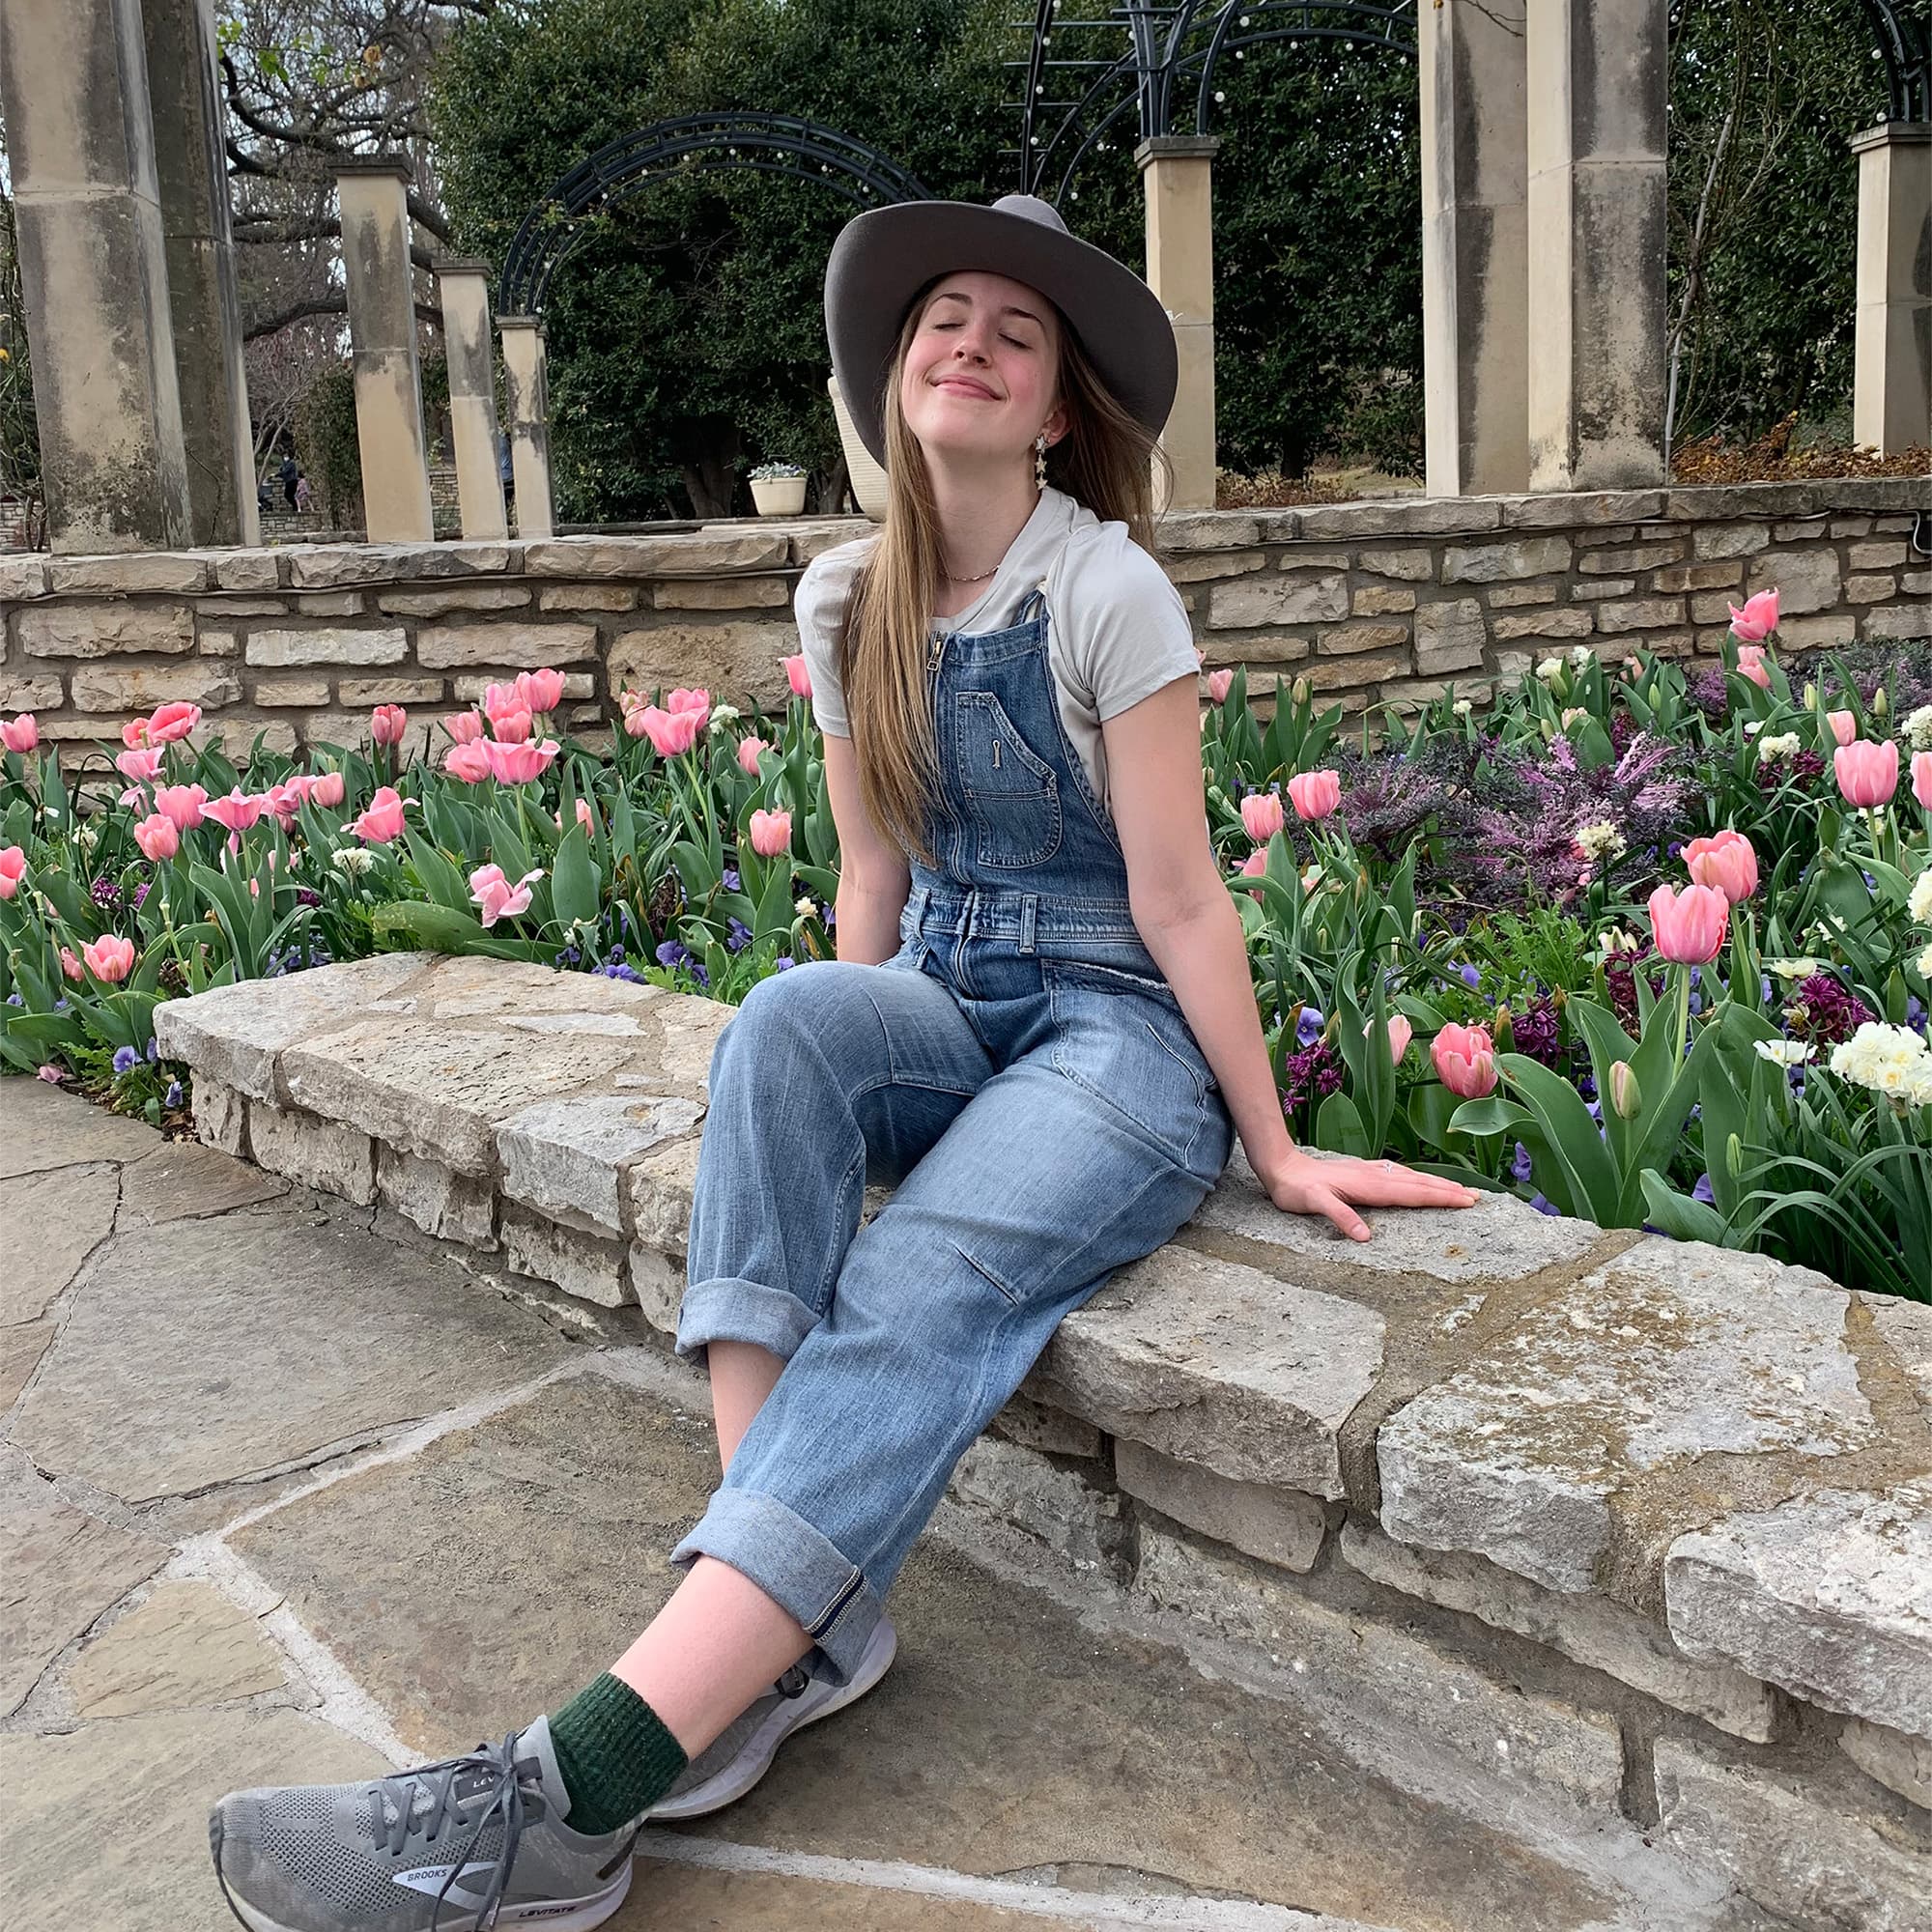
1303	1184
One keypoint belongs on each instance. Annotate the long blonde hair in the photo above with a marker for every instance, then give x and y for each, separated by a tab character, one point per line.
1104	461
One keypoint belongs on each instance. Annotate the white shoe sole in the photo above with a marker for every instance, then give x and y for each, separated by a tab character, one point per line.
752	1763
557	1914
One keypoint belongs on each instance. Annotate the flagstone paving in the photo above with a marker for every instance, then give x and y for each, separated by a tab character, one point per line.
284	1497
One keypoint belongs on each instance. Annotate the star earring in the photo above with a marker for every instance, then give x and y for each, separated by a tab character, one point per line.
1040	459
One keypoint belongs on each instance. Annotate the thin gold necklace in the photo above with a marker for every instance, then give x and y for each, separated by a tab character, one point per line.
951	578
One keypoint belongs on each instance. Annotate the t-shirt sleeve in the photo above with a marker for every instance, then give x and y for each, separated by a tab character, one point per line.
1129	633
818	603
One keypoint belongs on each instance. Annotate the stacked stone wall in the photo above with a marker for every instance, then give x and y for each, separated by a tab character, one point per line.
1392	602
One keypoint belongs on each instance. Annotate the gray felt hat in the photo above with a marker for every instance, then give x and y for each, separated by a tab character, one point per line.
885	256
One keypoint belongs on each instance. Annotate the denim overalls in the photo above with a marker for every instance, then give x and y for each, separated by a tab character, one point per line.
1023	1074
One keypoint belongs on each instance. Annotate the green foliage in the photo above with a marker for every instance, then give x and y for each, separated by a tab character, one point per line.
327	448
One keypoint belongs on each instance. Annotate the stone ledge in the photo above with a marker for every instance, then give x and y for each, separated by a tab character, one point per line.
1676	1474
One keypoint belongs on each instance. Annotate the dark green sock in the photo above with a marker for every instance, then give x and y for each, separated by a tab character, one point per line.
617	1756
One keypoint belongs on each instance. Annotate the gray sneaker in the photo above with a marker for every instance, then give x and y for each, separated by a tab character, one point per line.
735	1761
463	1845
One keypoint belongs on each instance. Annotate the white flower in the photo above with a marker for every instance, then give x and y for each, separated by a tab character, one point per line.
1919	904
1582	657
1753	727
1462	708
352	859
806	909
1599	841
1924	959
1790	969
1786	745
87	838
1550	670
722	715
1786	1052
1891	1061
1918	728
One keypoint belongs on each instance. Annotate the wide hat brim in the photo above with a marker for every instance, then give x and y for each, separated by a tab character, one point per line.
885	256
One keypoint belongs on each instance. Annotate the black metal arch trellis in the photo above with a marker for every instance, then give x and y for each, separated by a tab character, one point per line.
1904	30
777	144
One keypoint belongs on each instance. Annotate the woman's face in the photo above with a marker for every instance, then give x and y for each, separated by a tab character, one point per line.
980	376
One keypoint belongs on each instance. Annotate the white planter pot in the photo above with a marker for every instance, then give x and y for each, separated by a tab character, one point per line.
868	478
779	495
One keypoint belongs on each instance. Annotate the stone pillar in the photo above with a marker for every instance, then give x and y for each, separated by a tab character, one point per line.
1176	175
527	400
465	288
1595	76
382	335
1891	394
204	306
73	83
1475	344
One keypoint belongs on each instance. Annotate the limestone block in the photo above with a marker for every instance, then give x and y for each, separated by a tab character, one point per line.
1906	1330
22	692
1418	516
1489	564
97	689
1303	557
185	1647
1408	566
533	1000
1619	562
1332	674
1757	500
566	1158
1449	637
656	556
84	630
310	692
525	646
1870	589
578	685
235	1033
1213	564
23	578
1804	579
1588	1630
1345	640
656	1282
588	597
220	1115
1514	596
727	593
1829	1595
471	557
358	691
1801	1858
329	604
1829	627
1220	1365
1602	586
118	575
247	569
659	1189
454	597
1277	1525
331	645
1698	576
579	1264
1268	647
1715	608
1559	509
1877	556
1900	620
328	566
1851	527
1672	1351
1380	603
1039	1425
1902	1763
1077	1521
1569	621
1713	540
1253	601
1639	613
738	657
452	1207
318	1153
1396	1679
806	544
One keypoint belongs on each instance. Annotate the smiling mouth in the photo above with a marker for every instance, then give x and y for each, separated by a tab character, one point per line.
965	387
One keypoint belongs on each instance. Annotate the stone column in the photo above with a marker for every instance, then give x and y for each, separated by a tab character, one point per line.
204	306
1475	344
527	396
1596	76
73	83
465	287
1176	175
382	335
1891	393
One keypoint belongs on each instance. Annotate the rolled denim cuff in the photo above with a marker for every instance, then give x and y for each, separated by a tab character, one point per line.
729	1309
795	1565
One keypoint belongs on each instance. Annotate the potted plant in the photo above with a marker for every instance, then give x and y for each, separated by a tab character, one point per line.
777	489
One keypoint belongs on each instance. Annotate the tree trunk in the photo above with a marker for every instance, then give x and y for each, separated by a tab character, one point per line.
709	472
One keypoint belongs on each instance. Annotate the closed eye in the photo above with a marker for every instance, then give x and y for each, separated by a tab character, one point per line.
1014	340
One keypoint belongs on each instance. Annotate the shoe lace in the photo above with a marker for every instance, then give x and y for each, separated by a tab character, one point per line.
478	1788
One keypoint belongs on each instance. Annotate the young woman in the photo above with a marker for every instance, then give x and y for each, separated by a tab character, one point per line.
1041	1027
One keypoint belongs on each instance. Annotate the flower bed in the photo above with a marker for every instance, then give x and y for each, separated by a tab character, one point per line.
1642	947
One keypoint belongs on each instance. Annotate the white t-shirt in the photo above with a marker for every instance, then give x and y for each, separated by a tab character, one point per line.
1117	629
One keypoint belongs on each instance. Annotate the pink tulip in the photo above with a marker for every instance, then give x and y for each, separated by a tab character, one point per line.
1750	665
110	958
1758	619
13	868
748	755
1314	794
495	894
1844	725
1262	815
1726	862
54	1076
134	733
382	820
669	731
158	837
771	833
1219	683
697	702
1868	773
239	810
540	691
284	800
501	698
470	762
512	727
21	735
1400	1033
1690	926
519	764
70	967
172	722
326	789
797	675
137	764
387	724
464	728
1921	777
185	804
1465	1059
1255	864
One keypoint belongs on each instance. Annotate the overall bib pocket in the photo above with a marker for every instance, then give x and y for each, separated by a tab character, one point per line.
1012	792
